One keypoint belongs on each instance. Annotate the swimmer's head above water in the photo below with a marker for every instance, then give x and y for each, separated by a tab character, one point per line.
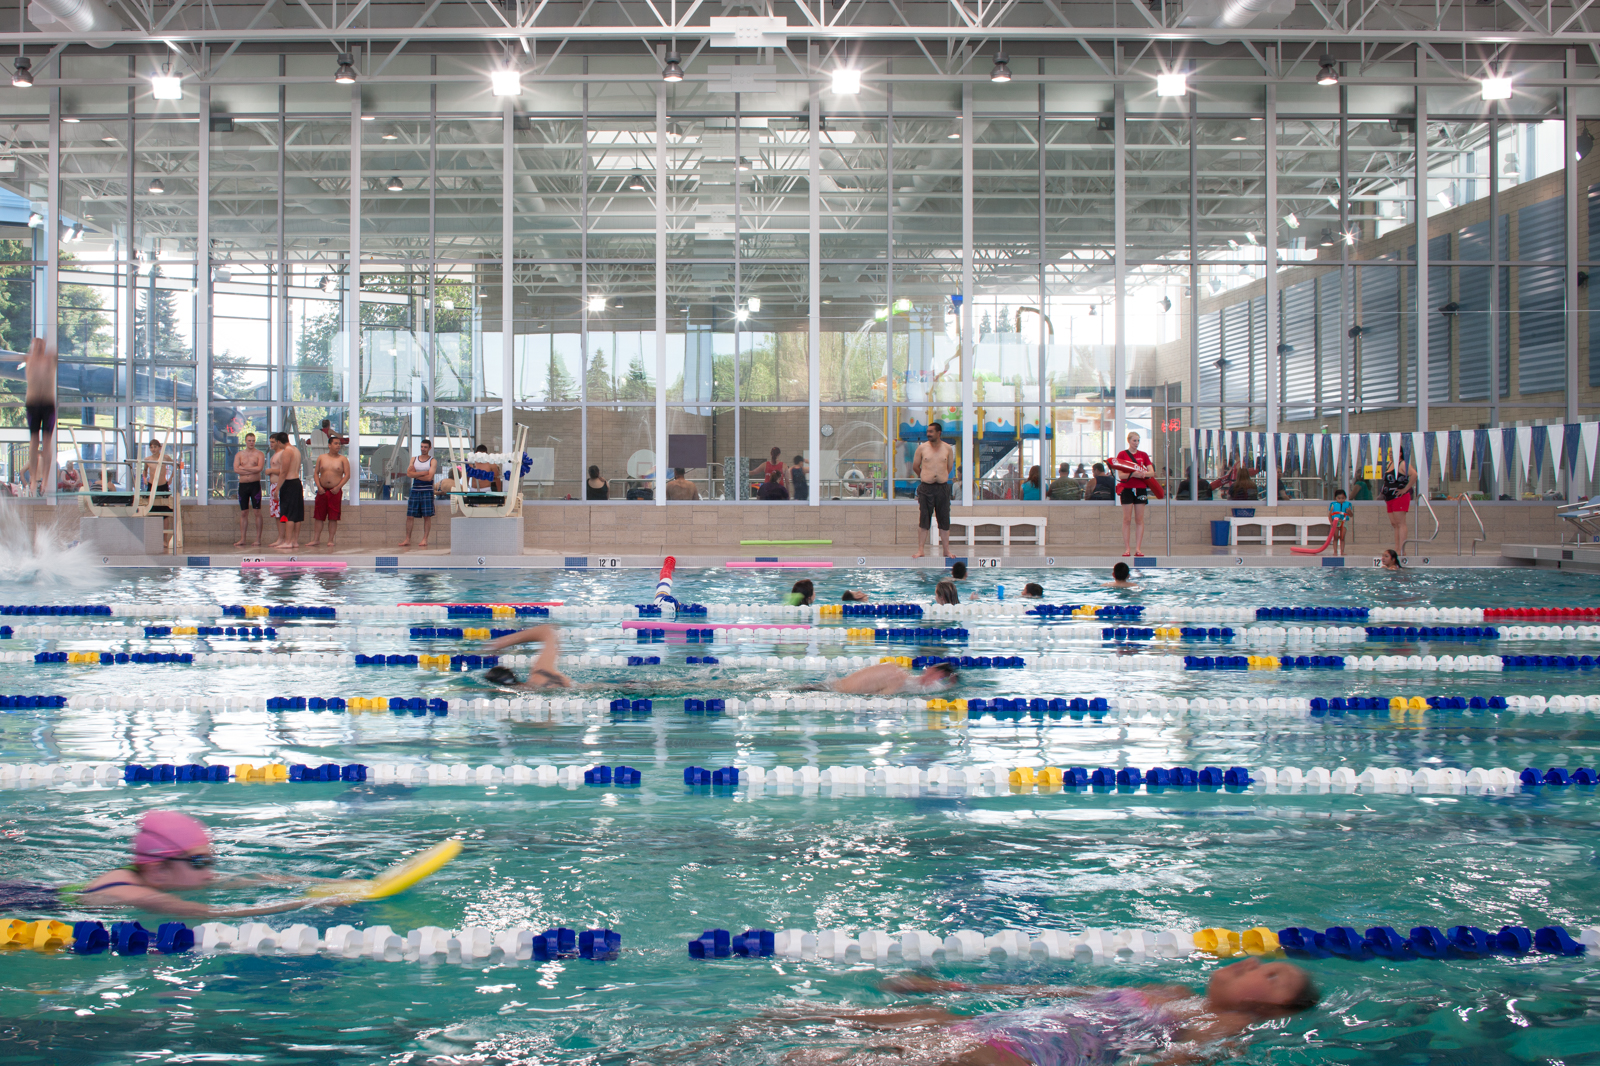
172	852
938	675
1266	989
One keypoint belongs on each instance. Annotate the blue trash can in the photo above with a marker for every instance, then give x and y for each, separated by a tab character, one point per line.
1219	533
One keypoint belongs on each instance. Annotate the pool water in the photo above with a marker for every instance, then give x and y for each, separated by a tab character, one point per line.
661	862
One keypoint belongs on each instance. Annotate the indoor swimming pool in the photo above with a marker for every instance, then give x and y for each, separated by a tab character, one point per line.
923	825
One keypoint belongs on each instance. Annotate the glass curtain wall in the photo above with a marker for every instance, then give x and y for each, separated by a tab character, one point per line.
1235	274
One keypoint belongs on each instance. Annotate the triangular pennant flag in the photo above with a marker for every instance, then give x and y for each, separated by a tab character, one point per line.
1440	445
1497	453
1540	441
1569	448
1430	449
1332	464
1469	448
1523	435
1309	459
1418	456
1374	451
1277	450
1590	432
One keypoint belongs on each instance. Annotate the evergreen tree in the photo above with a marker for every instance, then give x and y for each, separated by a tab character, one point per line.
558	385
160	338
598	381
637	385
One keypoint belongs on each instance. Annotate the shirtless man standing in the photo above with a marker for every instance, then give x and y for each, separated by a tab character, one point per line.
247	463
331	475
932	464
40	404
291	495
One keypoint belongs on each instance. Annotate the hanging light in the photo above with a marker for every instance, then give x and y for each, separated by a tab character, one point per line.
1172	84
673	71
166	86
1585	142
742	315
507	82
597	304
77	232
1292	220
846	81
1349	236
157	187
323	282
35	219
636	183
389	135
1446	201
395	184
346	74
1327	74
1327	238
22	74
954	134
744	164
1495	89
1002	71
753	305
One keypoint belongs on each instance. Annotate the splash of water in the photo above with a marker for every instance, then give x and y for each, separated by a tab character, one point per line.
43	555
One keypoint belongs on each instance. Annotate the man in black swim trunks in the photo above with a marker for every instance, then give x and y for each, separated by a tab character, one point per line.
932	466
544	673
248	463
40	405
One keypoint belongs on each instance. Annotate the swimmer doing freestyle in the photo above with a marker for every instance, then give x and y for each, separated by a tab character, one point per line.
1165	1025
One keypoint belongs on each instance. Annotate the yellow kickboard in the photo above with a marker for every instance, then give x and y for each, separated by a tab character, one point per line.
395	879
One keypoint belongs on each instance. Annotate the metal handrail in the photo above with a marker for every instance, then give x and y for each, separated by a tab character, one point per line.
1467	499
1432	515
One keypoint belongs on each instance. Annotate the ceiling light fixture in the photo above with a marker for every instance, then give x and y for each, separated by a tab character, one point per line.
506	82
636	183
35	218
754	305
389	135
1585	142
846	81
1251	237
369	118
166	86
1495	89
742	315
1166	303
954	134
1446	201
22	74
597	304
1327	238
346	74
673	71
1292	220
395	184
744	164
157	187
1327	74
1172	84
73	119
1349	236
1002	70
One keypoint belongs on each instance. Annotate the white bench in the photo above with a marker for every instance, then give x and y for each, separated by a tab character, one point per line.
1264	526
970	524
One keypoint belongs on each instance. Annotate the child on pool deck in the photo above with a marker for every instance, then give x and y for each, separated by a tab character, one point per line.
171	853
1161	1024
1340	515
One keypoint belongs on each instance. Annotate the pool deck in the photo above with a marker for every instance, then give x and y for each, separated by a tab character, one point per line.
857	534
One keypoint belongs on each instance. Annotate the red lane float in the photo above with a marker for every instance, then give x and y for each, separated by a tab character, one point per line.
1540	612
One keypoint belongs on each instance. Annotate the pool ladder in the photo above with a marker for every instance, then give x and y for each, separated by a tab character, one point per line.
1483	534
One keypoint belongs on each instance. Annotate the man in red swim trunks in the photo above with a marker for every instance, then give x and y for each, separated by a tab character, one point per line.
331	475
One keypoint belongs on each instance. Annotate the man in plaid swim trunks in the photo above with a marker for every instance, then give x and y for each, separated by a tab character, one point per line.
420	505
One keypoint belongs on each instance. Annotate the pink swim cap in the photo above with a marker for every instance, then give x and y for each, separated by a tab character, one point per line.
166	835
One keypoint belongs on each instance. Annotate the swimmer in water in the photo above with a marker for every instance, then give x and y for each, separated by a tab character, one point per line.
1159	1024
945	592
1391	561
171	853
1119	578
855	596
544	673
1033	591
888	679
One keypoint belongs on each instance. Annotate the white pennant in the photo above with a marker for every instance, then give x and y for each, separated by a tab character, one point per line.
1524	457
1469	446
1441	450
1373	458
1497	448
1590	432
1419	456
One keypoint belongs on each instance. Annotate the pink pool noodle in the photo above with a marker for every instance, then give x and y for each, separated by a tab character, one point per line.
680	627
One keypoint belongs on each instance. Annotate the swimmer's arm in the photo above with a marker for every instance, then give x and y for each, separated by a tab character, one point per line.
166	903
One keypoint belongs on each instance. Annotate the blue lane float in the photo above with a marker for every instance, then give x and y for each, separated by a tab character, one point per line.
32	610
1429	942
880	610
1101	610
1549	662
1432	633
970	662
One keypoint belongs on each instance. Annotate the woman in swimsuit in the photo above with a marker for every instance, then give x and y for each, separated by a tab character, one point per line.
1165	1024
171	853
